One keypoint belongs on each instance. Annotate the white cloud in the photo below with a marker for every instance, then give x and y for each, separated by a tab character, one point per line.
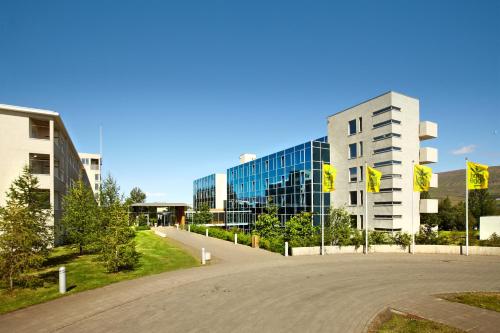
464	150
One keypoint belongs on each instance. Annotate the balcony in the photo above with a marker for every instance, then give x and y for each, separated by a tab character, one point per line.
428	206
434	180
428	130
388	209
428	155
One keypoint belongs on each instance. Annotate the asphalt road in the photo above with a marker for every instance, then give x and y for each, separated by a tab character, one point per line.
249	290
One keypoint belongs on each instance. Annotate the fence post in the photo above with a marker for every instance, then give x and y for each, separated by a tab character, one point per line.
62	280
235	238
286	249
203	256
206	232
189	227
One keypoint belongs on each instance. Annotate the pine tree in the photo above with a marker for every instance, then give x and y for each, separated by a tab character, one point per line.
24	235
117	246
80	218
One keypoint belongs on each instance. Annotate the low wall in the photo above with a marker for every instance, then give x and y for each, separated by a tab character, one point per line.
419	249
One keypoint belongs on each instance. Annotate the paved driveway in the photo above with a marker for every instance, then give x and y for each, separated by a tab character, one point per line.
249	290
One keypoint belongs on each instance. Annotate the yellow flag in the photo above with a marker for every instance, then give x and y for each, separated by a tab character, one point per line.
477	176
329	174
373	180
421	178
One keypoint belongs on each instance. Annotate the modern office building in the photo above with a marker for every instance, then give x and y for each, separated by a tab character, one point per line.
38	138
290	178
385	132
212	191
93	164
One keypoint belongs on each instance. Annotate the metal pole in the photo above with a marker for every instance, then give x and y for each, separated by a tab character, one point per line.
466	208
235	238
189	227
412	214
286	249
322	216
366	209
206	232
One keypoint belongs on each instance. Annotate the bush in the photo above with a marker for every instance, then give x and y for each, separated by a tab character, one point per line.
357	238
379	238
402	239
142	227
494	240
276	244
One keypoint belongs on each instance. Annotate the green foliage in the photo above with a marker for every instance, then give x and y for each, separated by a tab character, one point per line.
481	204
494	240
203	216
275	244
402	239
357	238
452	217
426	235
137	196
81	216
299	230
268	224
24	235
379	238
339	227
117	247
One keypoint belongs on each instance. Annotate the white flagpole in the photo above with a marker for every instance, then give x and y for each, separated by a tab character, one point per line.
366	209
322	216
412	213
466	209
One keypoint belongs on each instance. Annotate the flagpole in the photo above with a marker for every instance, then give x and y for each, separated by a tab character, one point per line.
412	213
366	208
322	216
466	209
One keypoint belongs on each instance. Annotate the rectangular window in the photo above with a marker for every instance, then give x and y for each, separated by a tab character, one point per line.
97	177
40	129
353	198
387	203
362	222
94	164
352	127
360	124
387	109
266	182
387	122
253	185
391	176
267	165
386	150
40	164
386	136
390	189
384	163
361	197
282	180
361	174
353	151
253	169
360	148
241	187
353	176
96	187
387	217
354	221
282	162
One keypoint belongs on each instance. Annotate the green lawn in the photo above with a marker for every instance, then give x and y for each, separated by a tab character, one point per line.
490	301
403	324
84	272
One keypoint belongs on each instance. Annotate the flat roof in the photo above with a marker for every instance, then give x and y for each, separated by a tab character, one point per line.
387	92
28	110
160	204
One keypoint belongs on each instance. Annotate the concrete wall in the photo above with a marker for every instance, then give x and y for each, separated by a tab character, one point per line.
419	249
488	225
91	173
220	190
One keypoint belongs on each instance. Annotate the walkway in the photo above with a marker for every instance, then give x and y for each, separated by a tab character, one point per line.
249	290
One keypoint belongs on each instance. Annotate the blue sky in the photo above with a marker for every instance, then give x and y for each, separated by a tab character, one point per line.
182	88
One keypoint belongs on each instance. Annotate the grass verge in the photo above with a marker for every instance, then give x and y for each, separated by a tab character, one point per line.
407	324
85	272
485	300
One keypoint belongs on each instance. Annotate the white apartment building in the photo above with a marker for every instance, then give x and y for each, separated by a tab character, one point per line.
92	164
386	133
39	139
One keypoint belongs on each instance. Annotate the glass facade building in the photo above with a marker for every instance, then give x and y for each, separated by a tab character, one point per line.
290	178
204	192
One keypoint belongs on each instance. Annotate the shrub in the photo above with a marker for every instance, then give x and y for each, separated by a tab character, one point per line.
494	240
357	238
275	244
402	239
379	238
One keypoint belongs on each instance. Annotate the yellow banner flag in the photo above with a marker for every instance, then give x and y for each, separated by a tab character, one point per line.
329	175
421	178
373	180
477	176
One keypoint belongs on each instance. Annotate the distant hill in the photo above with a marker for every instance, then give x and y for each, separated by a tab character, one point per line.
452	184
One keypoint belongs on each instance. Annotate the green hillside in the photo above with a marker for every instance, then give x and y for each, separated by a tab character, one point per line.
452	184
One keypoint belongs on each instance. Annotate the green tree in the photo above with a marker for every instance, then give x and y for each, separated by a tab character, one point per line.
117	246
203	215
339	225
299	230
24	235
136	196
81	216
268	224
446	215
481	203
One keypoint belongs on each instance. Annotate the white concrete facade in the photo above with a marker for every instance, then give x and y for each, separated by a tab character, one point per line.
220	190
39	139
489	225
92	164
385	133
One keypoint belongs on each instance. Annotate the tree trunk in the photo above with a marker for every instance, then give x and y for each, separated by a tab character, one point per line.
81	249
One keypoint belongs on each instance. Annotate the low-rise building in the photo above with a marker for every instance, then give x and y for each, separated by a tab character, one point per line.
38	139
